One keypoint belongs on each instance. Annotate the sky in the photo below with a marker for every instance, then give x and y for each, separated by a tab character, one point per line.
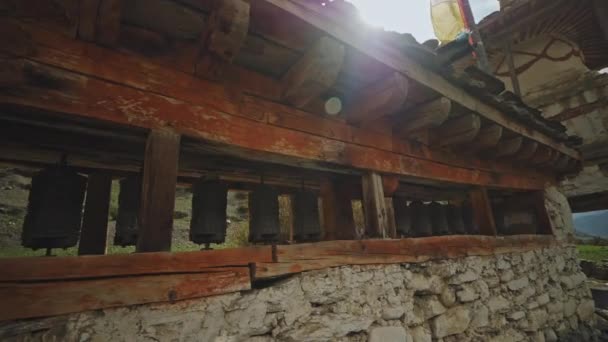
412	16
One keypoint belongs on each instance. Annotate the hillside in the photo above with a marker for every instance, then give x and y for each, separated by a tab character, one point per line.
594	224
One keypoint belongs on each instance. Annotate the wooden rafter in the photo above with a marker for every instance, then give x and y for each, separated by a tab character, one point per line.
383	98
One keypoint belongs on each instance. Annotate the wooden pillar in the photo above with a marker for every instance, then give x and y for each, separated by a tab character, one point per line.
483	217
376	219
94	233
158	191
338	220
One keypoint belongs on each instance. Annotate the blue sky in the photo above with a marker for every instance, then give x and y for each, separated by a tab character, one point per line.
412	16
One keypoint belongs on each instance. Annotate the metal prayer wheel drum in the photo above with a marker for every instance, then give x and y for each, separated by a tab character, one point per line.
264	214
127	220
54	211
455	220
403	217
209	201
439	220
421	221
306	224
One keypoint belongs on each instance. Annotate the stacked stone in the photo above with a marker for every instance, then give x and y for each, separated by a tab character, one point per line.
535	296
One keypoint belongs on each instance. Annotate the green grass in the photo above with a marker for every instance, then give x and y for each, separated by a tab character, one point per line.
593	253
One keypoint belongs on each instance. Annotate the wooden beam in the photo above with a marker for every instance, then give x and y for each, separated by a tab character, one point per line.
223	37
28	300
307	257
457	131
338	219
93	98
355	36
488	137
27	269
383	98
428	115
527	150
507	147
482	212
158	191
94	233
314	73
374	207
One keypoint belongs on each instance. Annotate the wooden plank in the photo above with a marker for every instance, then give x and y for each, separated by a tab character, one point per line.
381	51
482	212
457	131
158	191
374	208
314	73
29	300
306	257
108	22
94	232
93	98
83	267
383	98
140	73
428	115
338	219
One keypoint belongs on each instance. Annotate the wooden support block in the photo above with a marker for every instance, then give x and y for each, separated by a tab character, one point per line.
314	73
527	151
507	147
94	232
158	191
482	212
429	115
376	220
457	131
338	219
108	22
383	98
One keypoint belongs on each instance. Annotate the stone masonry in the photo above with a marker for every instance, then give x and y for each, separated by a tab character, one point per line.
534	296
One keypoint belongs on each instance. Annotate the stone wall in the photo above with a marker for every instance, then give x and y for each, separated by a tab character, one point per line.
534	296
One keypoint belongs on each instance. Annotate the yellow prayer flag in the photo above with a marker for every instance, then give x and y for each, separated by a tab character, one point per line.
446	18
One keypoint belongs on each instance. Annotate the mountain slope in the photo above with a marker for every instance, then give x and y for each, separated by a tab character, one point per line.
595	223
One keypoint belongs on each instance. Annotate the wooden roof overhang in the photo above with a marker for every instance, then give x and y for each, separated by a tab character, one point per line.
584	22
250	79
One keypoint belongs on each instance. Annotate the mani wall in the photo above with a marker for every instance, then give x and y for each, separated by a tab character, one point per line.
539	295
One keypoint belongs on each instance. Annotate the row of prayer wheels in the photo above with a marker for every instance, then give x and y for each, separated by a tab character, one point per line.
417	219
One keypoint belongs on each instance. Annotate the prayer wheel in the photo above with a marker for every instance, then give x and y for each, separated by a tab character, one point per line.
403	217
439	219
455	221
264	214
421	221
127	220
209	201
54	211
467	216
306	224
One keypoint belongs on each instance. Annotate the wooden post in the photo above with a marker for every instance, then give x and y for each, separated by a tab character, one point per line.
483	217
94	234
376	220
338	220
158	191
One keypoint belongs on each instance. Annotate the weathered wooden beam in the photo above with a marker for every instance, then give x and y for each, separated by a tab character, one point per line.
338	219
94	231
428	115
158	191
482	212
93	98
383	98
314	73
457	131
507	147
225	32
488	137
390	56
40	299
306	257
374	208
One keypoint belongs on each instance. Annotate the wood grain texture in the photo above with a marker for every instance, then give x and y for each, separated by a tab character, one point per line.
28	300
482	212
383	98
307	257
374	207
94	231
158	191
429	115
